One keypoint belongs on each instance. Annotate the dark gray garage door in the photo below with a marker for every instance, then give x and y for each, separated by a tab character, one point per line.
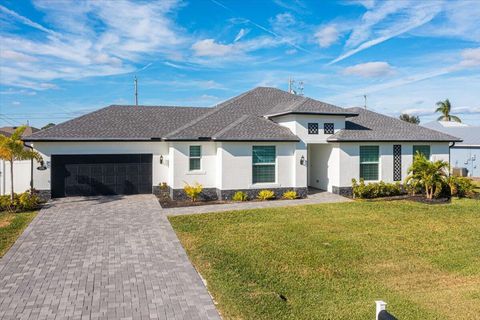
89	175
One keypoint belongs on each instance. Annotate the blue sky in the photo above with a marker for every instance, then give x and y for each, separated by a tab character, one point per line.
61	59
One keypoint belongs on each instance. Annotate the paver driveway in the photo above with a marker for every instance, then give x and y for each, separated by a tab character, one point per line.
101	258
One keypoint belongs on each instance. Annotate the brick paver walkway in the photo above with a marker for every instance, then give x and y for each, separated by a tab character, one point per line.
101	258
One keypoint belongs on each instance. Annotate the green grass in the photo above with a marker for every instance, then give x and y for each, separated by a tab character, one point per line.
11	227
333	261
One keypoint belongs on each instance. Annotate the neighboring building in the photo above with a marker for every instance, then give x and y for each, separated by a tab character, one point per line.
264	138
22	168
465	154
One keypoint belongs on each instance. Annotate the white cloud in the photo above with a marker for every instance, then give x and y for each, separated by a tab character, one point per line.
388	20
327	35
295	5
471	57
16	56
459	20
210	48
370	69
455	110
16	103
242	33
130	32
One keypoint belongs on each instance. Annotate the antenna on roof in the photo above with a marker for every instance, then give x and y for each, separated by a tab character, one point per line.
136	90
293	88
365	97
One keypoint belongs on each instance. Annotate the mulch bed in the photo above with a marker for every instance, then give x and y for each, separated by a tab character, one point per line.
416	198
166	202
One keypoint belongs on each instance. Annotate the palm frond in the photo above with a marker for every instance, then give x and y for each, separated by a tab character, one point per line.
455	118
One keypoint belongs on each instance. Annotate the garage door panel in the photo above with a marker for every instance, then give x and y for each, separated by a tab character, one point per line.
79	175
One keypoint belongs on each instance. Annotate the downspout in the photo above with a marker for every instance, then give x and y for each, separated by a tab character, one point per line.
31	168
450	158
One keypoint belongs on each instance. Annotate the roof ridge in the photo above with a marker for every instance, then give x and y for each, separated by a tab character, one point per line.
214	110
152	106
231	125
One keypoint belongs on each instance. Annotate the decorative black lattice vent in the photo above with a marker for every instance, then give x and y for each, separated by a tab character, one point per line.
313	128
328	128
397	162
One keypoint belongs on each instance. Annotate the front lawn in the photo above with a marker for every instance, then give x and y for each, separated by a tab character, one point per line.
11	227
333	261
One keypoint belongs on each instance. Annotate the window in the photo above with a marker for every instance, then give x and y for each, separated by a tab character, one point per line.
313	128
369	160
194	157
328	128
397	162
425	150
263	164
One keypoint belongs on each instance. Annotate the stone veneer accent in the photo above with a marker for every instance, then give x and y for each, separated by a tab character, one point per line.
206	194
45	195
252	193
343	191
215	194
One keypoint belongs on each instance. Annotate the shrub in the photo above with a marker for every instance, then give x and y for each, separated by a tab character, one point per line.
291	195
266	195
163	186
240	196
461	186
29	201
374	190
193	191
21	202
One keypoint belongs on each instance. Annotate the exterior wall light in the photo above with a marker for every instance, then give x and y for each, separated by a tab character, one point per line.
161	159
42	166
302	160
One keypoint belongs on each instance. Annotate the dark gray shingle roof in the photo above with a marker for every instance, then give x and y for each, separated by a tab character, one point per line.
258	102
304	105
372	126
121	123
248	127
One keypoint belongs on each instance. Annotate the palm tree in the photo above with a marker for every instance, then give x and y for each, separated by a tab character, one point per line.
431	176
444	107
12	148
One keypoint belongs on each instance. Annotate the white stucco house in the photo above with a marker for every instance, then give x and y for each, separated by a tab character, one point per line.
265	138
465	154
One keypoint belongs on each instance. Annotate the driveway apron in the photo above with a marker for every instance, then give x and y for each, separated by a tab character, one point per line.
101	258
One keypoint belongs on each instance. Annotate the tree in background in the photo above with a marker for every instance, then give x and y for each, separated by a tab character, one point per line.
444	107
408	118
12	148
48	126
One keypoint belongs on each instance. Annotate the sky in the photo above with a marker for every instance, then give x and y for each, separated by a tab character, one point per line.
61	59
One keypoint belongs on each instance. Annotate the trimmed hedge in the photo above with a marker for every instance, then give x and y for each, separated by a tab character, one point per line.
375	189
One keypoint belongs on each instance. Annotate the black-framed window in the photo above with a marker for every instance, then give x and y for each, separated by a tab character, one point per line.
195	157
263	164
369	162
397	162
422	149
328	128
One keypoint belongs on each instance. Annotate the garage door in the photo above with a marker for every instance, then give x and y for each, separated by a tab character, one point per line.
90	175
